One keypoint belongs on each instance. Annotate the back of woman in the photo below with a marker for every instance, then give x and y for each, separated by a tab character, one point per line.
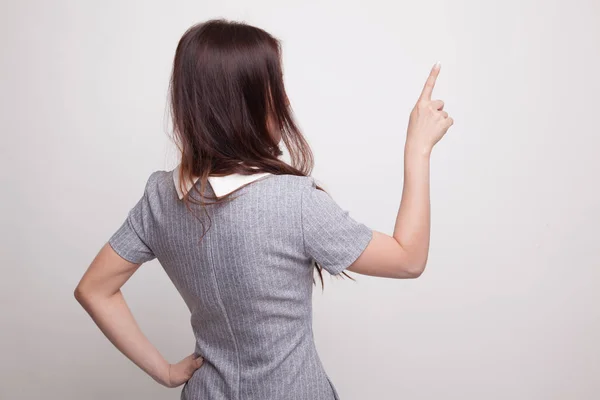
248	282
240	232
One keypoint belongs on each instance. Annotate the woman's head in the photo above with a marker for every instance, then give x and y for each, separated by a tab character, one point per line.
229	106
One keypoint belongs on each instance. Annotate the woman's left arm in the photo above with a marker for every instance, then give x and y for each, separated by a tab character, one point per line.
99	292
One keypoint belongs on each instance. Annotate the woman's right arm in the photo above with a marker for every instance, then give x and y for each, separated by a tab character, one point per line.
404	254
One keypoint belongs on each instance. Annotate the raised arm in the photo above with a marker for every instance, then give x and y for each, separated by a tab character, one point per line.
404	255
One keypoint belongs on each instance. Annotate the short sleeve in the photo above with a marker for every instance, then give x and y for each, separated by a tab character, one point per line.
130	241
331	236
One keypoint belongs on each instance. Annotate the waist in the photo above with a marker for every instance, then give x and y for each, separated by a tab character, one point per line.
288	373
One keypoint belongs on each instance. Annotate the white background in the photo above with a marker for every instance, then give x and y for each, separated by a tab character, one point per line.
508	306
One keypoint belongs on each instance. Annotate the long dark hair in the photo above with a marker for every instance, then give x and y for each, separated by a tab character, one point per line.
227	95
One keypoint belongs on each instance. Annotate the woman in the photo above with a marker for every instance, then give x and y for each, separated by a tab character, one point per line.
239	232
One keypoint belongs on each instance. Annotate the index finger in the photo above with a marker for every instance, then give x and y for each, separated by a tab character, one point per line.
430	83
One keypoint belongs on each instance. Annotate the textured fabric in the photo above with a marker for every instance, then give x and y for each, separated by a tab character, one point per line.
248	282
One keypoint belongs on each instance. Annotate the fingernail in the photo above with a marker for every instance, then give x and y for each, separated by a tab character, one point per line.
439	63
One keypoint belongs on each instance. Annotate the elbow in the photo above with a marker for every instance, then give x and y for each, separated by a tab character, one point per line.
78	294
415	268
89	296
413	260
420	266
81	295
417	271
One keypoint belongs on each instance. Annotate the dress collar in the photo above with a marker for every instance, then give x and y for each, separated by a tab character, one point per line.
221	185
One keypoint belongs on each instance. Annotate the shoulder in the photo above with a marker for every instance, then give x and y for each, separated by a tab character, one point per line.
300	193
156	179
159	183
293	182
289	185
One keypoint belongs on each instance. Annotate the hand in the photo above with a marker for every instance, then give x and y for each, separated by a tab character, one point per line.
179	373
428	121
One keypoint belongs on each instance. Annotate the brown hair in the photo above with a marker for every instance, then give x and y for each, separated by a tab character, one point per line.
226	92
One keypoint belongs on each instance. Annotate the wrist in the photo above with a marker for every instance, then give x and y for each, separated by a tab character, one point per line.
164	374
417	149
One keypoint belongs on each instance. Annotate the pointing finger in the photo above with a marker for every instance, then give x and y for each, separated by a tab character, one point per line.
430	83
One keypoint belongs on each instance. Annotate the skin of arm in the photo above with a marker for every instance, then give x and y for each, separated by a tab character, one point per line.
404	254
99	293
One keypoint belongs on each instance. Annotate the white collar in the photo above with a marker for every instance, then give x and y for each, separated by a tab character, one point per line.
221	185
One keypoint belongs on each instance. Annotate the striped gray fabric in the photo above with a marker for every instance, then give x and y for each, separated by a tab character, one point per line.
248	283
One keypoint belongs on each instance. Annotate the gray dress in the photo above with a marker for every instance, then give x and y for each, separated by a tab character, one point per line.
248	283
